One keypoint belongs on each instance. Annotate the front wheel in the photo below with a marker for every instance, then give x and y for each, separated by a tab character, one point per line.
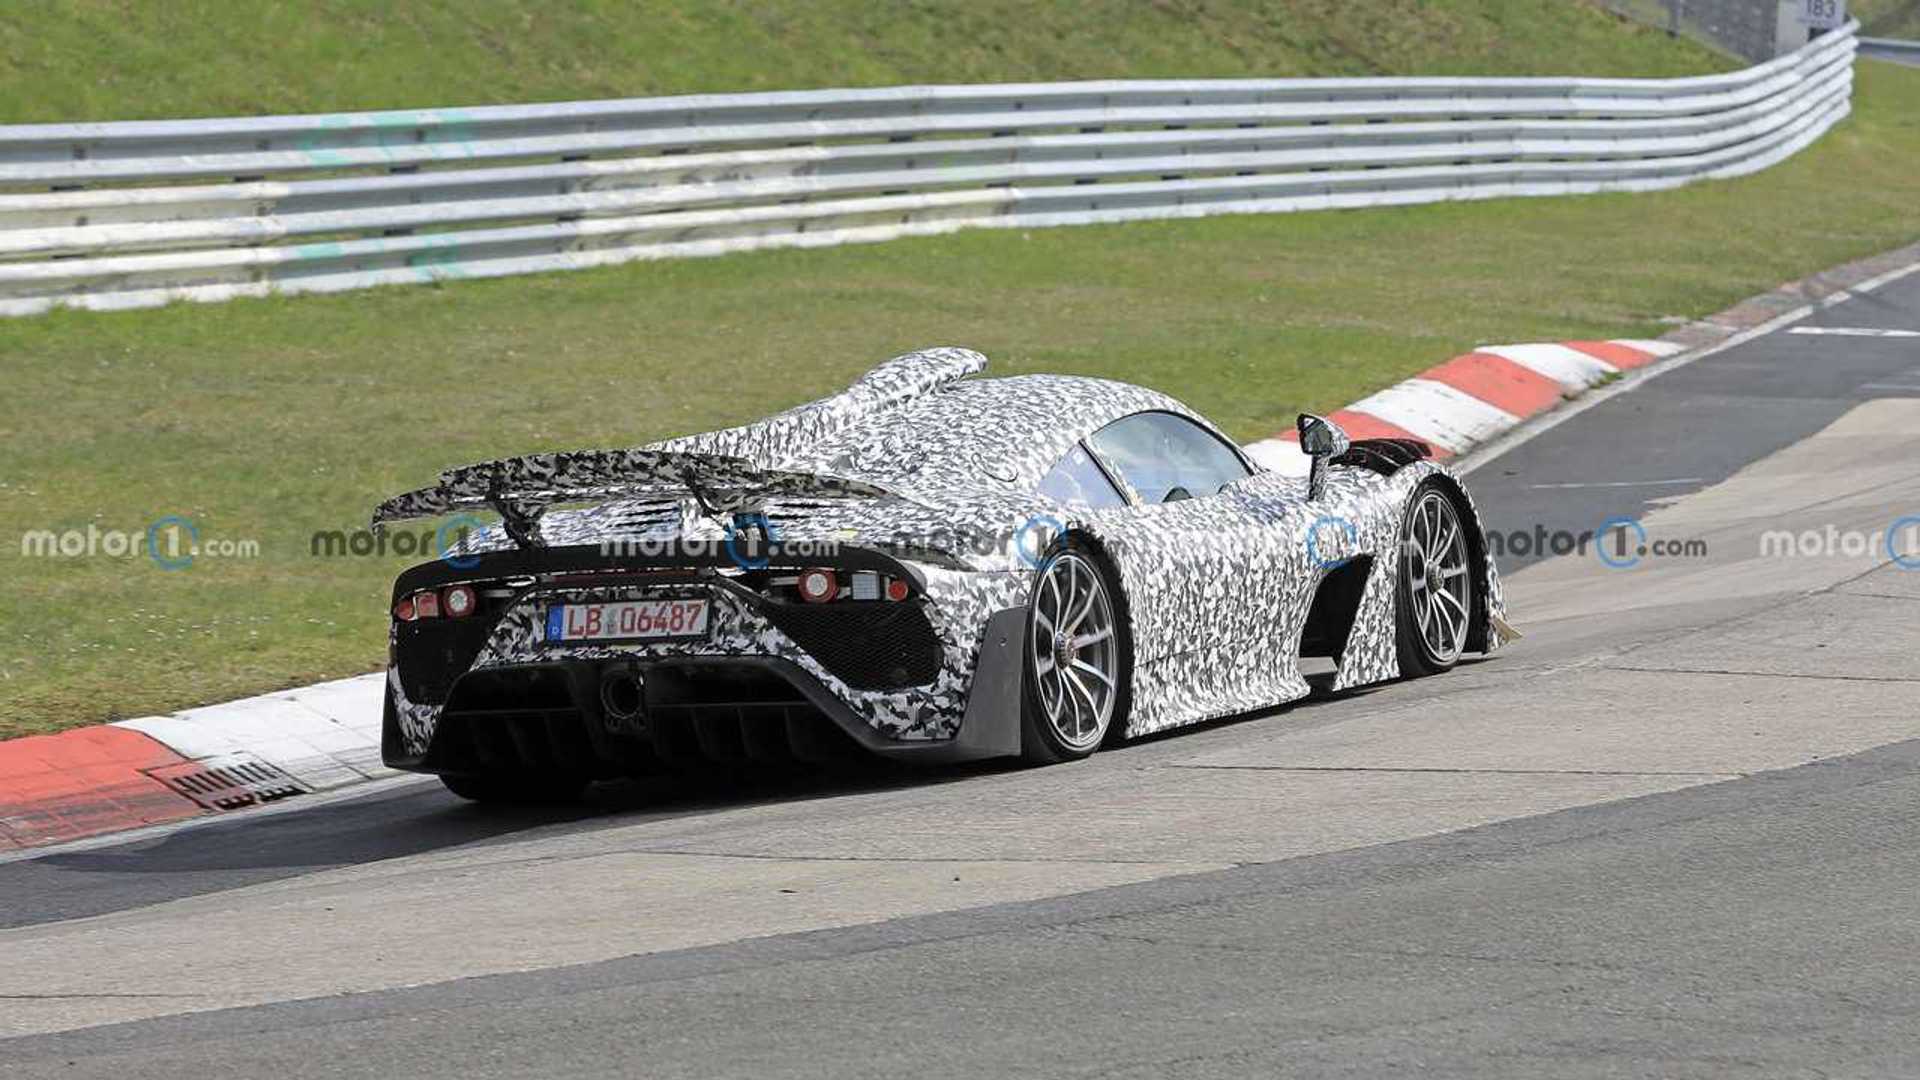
1434	599
1077	660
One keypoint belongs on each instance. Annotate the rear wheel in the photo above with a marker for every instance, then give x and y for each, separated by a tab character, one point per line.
1435	594
516	790
1077	660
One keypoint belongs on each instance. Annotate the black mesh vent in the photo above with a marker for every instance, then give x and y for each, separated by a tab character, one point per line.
1384	456
635	518
869	645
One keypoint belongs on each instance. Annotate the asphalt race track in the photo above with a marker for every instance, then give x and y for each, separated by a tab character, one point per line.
1674	831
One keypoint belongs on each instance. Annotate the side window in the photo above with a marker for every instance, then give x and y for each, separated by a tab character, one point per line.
1078	481
1167	457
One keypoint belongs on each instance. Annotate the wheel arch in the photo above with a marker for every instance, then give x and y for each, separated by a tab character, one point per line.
1478	628
1372	648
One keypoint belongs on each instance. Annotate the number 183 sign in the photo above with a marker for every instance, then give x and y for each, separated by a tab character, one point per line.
1823	14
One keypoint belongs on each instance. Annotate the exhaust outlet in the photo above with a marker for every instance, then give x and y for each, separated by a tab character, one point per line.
623	699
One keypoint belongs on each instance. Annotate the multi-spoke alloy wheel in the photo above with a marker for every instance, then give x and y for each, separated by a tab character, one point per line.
1074	658
1436	586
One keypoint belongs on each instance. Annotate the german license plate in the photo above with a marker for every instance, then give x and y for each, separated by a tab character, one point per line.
627	620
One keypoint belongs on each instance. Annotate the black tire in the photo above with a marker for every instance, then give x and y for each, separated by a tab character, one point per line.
1042	738
516	790
1435	644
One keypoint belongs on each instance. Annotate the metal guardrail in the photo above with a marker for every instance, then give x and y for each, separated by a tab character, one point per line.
120	215
1907	52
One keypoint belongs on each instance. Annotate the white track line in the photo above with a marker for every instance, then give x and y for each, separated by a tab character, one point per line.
1852	331
1617	484
1546	422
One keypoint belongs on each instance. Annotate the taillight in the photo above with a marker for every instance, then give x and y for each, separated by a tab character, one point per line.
457	601
823	585
453	602
818	586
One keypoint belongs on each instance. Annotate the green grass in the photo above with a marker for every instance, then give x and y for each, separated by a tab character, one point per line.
1888	18
133	59
270	420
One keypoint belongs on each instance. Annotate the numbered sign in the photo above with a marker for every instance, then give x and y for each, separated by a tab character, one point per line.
1823	14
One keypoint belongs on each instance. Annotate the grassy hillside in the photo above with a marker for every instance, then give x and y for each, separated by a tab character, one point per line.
1888	18
131	59
267	421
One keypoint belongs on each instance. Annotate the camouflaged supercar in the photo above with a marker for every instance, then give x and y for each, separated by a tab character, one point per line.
925	565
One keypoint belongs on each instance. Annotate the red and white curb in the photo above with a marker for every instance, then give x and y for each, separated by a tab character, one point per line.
158	769
323	735
1475	398
82	782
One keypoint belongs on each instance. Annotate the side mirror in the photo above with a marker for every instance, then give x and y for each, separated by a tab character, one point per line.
1322	440
1321	437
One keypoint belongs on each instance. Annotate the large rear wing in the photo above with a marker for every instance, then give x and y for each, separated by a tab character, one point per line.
520	489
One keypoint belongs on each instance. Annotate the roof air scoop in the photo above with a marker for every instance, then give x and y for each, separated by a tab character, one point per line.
916	373
785	438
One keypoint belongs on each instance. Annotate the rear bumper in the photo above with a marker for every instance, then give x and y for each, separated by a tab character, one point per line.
712	709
